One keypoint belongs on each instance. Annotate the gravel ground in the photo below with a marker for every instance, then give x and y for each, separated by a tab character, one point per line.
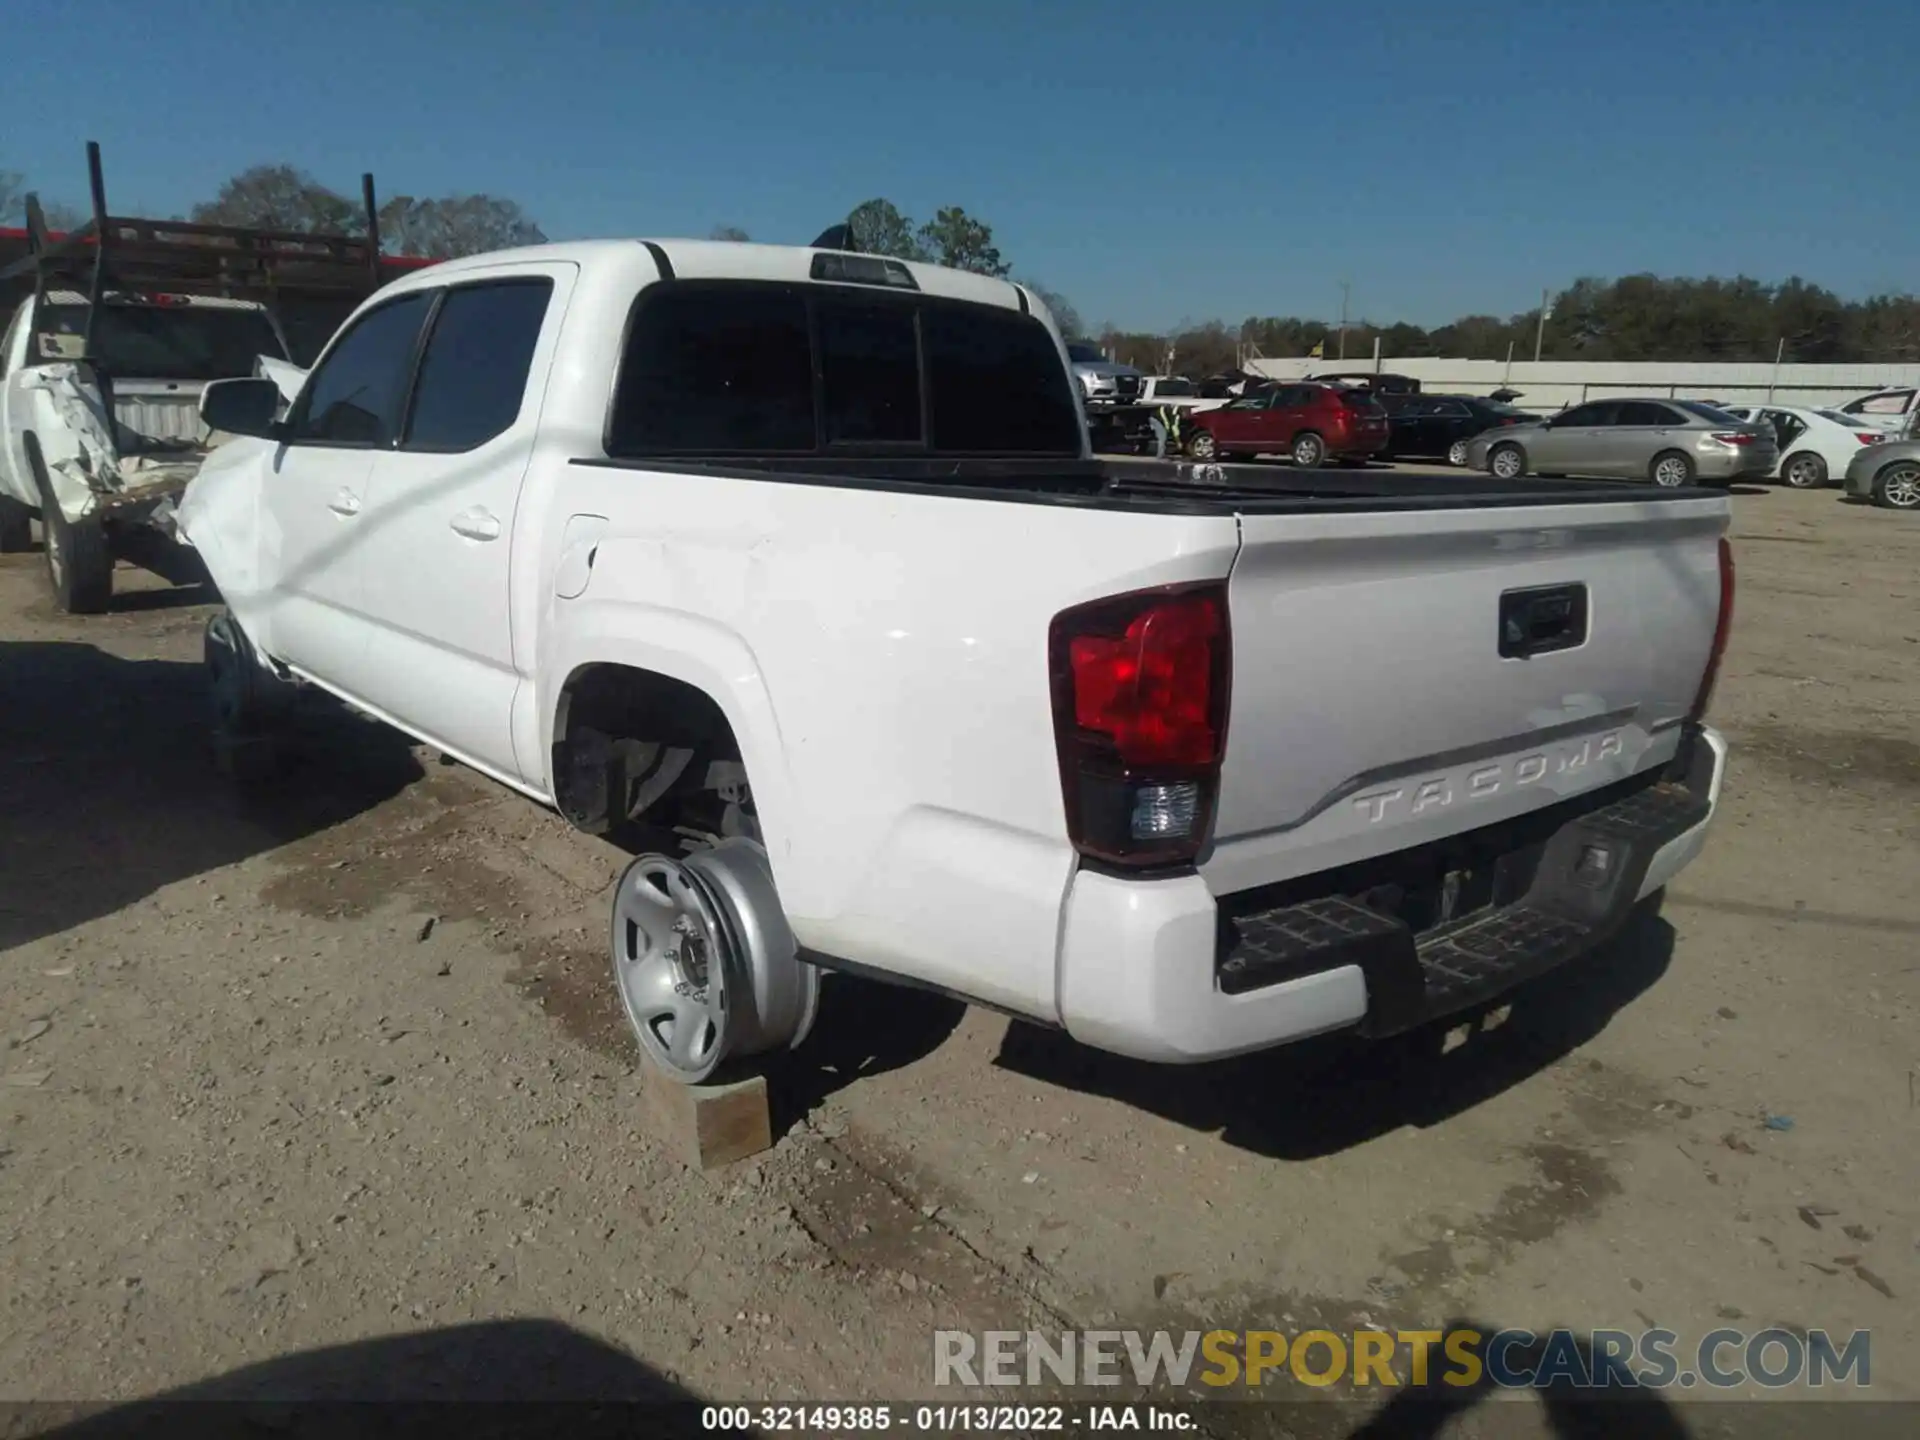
341	1062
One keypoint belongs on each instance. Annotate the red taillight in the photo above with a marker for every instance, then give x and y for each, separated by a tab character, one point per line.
1735	437
1722	625
1140	707
1868	437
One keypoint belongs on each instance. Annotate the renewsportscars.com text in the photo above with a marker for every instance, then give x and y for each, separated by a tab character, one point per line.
1511	1359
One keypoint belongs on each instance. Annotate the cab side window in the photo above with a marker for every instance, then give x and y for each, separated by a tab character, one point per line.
473	374
355	397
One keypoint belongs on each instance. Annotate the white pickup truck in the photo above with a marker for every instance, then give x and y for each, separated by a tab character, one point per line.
791	570
99	447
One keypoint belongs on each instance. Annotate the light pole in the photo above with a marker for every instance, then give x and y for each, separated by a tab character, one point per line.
1345	287
1540	332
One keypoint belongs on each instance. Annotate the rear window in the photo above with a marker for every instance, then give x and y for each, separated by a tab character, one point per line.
1173	388
1712	414
746	368
162	342
1363	400
1837	417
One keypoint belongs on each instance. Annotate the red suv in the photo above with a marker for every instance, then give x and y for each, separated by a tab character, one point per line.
1308	422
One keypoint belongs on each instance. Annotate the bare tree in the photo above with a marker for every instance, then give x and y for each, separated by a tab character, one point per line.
729	232
13	194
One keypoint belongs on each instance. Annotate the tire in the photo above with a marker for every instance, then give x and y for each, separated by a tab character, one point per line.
1671	469
1507	462
1202	446
79	560
1308	450
1457	453
1897	486
16	527
247	698
1804	470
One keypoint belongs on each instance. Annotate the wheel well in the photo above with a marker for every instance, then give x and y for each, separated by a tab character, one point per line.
635	755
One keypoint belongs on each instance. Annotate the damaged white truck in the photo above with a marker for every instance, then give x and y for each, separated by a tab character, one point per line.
116	330
790	571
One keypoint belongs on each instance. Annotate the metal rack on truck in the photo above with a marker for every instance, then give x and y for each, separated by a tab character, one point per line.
116	328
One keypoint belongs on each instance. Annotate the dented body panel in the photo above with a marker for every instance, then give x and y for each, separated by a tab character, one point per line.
125	460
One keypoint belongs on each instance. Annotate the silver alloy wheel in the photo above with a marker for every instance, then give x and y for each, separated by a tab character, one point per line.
1203	446
1507	463
1670	472
706	967
1309	451
1804	472
1900	487
1457	453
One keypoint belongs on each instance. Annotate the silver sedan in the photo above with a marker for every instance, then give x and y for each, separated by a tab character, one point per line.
1888	475
1670	442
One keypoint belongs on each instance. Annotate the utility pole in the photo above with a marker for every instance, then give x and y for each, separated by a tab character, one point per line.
1540	333
1345	287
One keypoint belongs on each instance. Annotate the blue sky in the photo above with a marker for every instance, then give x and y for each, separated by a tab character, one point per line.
1152	163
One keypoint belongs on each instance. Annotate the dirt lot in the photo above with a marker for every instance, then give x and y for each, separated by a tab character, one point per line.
343	1063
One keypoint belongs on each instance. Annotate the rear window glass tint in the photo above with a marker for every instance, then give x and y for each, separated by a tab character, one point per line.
1712	414
870	373
729	367
716	370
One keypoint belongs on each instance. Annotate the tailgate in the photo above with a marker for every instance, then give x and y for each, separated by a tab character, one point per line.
163	410
1372	708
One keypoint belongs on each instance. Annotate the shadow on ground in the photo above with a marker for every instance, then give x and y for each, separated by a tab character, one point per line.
1322	1096
865	1028
112	791
514	1377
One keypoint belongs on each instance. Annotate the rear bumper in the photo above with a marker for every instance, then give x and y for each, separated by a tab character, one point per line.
1161	971
1731	464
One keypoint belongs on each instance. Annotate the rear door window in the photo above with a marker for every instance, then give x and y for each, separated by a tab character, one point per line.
473	376
1645	413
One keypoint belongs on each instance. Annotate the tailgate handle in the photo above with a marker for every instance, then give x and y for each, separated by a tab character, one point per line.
1542	619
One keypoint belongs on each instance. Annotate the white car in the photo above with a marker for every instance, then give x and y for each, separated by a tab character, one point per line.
1177	392
1892	411
1816	445
790	570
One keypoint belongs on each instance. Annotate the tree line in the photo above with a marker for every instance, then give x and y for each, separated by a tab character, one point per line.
1635	317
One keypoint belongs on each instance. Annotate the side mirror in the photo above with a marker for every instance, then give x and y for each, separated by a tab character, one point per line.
242	407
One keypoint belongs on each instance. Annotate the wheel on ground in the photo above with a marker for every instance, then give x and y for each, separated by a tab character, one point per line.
1671	469
1804	470
1202	446
1507	462
79	561
245	695
1897	487
1457	453
1309	451
16	527
706	967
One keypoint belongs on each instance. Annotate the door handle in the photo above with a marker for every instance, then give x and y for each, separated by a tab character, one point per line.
476	524
345	503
